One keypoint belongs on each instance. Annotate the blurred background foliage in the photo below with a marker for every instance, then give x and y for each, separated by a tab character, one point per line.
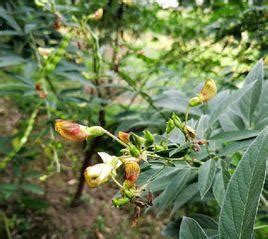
126	71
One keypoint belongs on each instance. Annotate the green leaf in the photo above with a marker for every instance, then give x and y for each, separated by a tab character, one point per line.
10	60
235	135
220	183
36	204
34	188
228	101
190	229
7	189
205	176
247	105
243	192
234	147
208	224
175	186
183	197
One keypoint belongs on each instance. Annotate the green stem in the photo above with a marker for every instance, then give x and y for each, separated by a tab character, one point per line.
115	138
116	182
187	114
260	227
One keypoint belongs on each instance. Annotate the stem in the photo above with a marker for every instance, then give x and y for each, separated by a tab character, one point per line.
260	227
187	114
115	138
116	182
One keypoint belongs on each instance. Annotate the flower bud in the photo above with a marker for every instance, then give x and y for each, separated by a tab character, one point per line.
136	140
134	151
208	91
189	131
177	121
170	126
195	101
128	190
123	136
71	131
149	138
98	174
132	172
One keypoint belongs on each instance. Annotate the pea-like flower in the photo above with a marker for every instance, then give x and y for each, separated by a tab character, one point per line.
76	132
208	91
100	173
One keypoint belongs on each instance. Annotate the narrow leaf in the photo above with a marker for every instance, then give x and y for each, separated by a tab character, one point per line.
190	229
205	176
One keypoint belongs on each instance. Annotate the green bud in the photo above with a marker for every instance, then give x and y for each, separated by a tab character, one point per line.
158	147
118	202
134	151
195	101
170	126
149	138
129	192
136	140
177	121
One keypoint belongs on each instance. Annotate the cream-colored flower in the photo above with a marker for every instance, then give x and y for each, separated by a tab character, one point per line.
100	173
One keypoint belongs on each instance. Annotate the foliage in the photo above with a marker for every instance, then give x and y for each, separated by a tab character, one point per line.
129	70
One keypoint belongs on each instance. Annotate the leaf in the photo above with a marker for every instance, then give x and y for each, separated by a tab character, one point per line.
243	192
34	188
190	229
208	224
183	197
235	135
36	204
232	99
7	189
234	147
175	186
205	176
202	126
172	230
220	183
10	20
10	60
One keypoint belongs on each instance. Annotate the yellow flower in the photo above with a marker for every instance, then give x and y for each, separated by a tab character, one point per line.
208	91
76	132
100	173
